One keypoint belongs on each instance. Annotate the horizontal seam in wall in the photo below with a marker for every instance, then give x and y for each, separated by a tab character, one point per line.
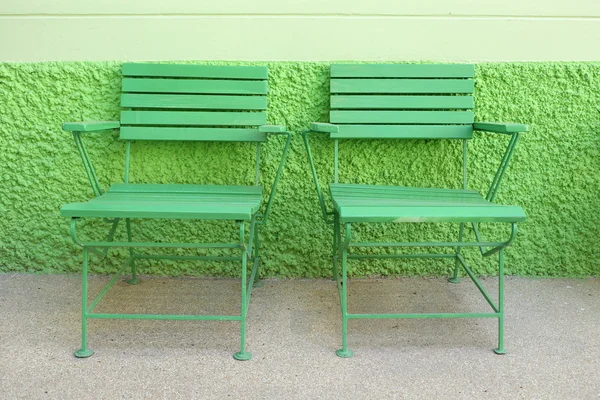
316	16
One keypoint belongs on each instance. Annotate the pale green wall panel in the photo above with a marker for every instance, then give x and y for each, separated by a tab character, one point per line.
309	30
302	38
447	8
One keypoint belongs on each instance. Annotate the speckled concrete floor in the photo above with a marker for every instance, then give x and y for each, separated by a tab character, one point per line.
552	338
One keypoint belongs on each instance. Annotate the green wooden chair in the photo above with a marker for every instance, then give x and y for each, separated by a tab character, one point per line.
166	102
411	102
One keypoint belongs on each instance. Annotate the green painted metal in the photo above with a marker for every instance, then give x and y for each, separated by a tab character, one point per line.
84	352
90	126
193	101
401	86
402	71
199	118
272	129
87	165
405	102
323	127
198	86
401	117
360	203
165	88
192	134
364	131
193	71
286	147
500	127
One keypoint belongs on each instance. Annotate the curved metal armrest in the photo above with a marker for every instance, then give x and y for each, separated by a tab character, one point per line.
500	127
272	129
90	126
77	128
275	130
324	127
514	130
314	126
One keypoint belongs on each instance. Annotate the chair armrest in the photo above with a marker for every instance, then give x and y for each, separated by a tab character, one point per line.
324	127
90	126
319	127
272	129
275	130
500	127
77	128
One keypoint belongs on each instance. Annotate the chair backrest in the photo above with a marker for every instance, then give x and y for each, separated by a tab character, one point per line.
193	102
402	101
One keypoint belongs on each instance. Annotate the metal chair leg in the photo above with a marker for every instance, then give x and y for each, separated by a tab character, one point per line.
134	279
500	349
344	352
84	352
455	278
243	355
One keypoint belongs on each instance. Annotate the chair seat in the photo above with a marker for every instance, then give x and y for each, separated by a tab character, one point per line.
178	201
372	203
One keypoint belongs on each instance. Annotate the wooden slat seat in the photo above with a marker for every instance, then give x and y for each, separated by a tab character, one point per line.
373	203
205	202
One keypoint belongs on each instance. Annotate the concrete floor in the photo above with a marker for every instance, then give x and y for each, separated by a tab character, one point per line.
552	338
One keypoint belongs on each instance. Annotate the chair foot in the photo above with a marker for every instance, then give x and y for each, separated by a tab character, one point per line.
83	353
242	355
134	281
499	351
258	284
344	353
454	280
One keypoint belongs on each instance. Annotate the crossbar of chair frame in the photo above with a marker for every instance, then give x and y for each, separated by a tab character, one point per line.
340	249
249	252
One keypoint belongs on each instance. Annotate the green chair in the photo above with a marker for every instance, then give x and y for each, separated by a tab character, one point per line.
169	102
424	101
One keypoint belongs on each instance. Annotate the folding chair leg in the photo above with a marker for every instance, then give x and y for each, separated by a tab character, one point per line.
243	355
134	279
455	278
336	247
344	352
84	352
257	282
500	349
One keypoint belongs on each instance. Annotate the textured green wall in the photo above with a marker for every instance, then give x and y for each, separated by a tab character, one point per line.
554	175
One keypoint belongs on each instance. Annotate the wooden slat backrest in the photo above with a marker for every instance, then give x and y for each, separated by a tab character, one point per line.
402	101
193	102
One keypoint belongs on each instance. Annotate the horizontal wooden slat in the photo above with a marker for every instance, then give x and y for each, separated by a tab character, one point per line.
200	86
185	188
346	190
399	102
491	213
404	132
191	101
192	134
193	118
401	117
171	210
402	71
401	85
195	71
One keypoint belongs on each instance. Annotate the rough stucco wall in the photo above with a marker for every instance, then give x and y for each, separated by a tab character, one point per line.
554	174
